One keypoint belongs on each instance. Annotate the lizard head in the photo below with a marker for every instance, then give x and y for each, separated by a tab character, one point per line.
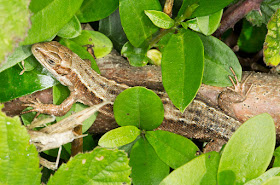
56	58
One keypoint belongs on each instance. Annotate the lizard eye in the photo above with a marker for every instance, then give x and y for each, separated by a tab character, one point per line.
50	61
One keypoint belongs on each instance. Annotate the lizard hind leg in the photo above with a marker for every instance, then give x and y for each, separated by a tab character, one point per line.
56	110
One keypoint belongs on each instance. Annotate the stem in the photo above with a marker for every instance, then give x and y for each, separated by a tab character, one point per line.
77	144
160	35
168	7
188	12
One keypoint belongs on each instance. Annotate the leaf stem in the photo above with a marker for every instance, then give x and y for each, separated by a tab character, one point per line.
187	14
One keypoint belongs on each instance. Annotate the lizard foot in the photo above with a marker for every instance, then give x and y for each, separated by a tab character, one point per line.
239	87
35	105
232	95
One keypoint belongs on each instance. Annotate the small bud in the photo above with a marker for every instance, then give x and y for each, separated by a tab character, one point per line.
155	57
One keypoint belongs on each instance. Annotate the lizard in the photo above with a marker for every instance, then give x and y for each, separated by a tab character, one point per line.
199	120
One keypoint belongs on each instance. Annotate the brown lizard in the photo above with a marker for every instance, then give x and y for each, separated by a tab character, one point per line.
198	121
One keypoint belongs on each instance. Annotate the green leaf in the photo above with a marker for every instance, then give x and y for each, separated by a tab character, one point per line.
267	9
173	149
249	151
20	53
272	181
251	38
136	56
192	24
260	180
101	44
147	168
50	19
206	24
119	136
81	51
271	46
206	7
71	30
218	60
139	107
182	67
137	26
201	170
19	162
31	81
160	19
276	155
94	10
60	93
14	26
112	28
101	166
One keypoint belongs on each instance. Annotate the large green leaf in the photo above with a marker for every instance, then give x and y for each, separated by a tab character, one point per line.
182	67
112	28
218	60
201	171
137	26
206	7
173	149
16	85
119	136
101	44
249	151
14	25
267	9
101	166
19	161
94	10
147	168
139	107
47	21
271	46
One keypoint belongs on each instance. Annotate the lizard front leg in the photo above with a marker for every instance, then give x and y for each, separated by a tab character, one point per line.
56	110
233	95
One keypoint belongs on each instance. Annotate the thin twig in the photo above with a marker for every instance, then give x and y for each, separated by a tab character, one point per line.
168	7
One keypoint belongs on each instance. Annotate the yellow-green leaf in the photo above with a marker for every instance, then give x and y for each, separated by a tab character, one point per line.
271	48
14	25
19	162
160	19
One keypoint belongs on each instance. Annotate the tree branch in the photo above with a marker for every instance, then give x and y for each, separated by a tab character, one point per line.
233	15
